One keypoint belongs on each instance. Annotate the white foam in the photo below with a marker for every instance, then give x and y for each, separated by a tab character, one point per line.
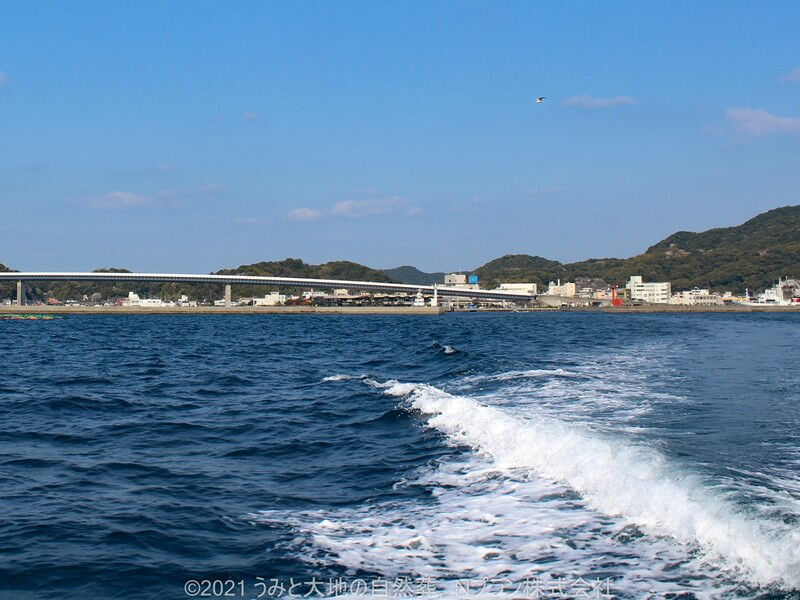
339	377
612	392
617	477
488	522
526	374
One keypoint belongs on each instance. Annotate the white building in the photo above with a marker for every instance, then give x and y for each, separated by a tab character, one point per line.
459	280
518	288
312	295
133	299
652	292
696	297
455	279
558	289
271	299
184	301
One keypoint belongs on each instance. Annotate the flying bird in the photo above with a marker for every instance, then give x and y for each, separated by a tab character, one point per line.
540	99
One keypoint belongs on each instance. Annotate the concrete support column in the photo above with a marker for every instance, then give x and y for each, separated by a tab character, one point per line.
228	295
20	293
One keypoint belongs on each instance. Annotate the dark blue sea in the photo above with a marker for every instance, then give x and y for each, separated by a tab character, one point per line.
538	455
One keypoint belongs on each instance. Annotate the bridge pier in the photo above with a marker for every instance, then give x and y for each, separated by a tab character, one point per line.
228	295
20	293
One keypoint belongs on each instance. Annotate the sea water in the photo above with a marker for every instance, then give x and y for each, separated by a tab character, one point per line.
518	455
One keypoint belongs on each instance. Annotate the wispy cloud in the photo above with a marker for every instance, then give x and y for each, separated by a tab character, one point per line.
304	214
117	201
792	76
360	209
3	79
758	122
210	188
249	116
589	102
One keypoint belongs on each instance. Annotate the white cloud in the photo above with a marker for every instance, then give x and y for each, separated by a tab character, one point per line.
792	76
210	188
758	122
359	209
3	79
589	102
118	201
249	116
304	214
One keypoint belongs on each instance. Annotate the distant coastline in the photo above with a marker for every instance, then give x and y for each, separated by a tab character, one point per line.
221	310
372	310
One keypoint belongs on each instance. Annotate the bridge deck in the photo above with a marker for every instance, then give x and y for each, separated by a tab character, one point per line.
300	282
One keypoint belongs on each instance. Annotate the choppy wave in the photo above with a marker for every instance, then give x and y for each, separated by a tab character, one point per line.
659	453
619	478
537	496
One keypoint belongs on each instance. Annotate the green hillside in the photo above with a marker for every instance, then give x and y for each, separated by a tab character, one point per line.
518	268
7	290
752	255
295	267
412	275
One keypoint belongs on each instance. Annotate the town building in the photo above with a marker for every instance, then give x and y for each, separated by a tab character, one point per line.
652	292
271	299
558	289
519	288
133	299
455	279
696	297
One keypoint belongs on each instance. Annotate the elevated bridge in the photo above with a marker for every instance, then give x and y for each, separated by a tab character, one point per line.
229	280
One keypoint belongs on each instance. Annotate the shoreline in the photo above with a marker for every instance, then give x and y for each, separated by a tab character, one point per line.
222	310
374	310
689	309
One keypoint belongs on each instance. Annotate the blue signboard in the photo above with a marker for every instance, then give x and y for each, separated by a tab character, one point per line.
472	279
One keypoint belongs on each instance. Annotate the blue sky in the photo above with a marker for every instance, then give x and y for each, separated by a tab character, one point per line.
193	136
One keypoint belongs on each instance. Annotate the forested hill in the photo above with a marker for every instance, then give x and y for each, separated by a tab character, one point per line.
752	255
295	267
412	275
